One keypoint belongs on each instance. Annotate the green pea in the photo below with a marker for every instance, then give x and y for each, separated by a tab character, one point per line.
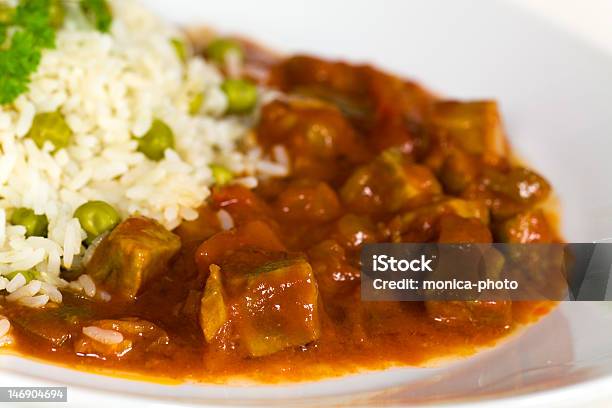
196	103
29	275
56	13
96	218
221	174
52	127
35	225
180	48
241	95
220	48
155	142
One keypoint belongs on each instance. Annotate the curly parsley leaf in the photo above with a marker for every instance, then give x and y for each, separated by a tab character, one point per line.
20	55
28	29
98	13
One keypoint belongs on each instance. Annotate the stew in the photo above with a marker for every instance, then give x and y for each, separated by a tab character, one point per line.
265	284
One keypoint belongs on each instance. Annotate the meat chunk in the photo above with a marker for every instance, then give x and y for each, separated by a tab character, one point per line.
455	229
279	308
268	308
388	184
525	228
253	234
136	252
474	127
321	143
508	192
304	199
423	224
336	277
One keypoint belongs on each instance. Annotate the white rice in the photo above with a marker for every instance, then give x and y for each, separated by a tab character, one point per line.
103	336
89	287
225	219
110	87
5	326
35	301
28	290
17	282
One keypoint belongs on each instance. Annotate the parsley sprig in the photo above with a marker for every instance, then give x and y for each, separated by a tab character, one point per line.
29	29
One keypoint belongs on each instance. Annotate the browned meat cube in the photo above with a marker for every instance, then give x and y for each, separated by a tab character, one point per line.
279	308
422	224
136	252
388	184
475	127
525	228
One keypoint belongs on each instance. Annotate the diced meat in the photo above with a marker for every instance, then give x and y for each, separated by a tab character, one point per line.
254	234
404	183
474	127
303	71
314	201
508	192
524	228
335	276
242	204
458	172
422	224
387	109
321	143
279	308
456	229
353	231
137	251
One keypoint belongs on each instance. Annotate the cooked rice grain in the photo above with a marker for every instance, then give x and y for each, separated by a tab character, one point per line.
5	326
103	336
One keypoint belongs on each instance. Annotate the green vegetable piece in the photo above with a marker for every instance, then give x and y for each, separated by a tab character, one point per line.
52	127
31	25
155	142
96	218
213	310
196	103
98	13
181	48
241	95
36	225
57	13
220	48
29	275
221	174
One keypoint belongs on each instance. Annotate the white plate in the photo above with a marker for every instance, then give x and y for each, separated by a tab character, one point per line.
555	94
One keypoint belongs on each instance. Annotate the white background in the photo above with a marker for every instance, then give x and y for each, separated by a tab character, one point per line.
591	19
